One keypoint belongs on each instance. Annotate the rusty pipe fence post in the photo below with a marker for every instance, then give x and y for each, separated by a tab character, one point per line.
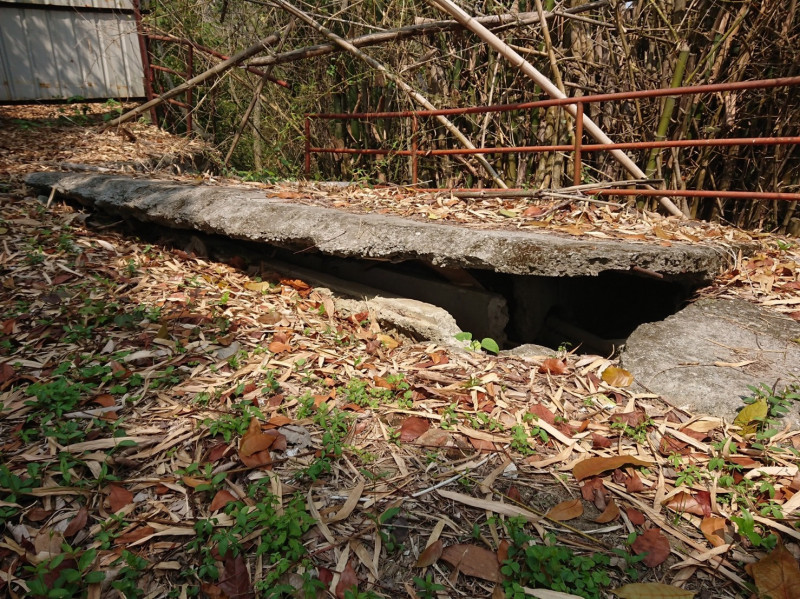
576	159
414	129
308	146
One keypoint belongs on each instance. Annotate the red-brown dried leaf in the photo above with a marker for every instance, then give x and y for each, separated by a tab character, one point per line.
590	486
634	484
482	444
430	555
347	580
513	494
39	514
600	442
543	413
234	579
325	575
632	419
635	516
77	523
276	347
473	561
413	427
118	497
594	466
553	366
221	499
218	451
654	545
502	551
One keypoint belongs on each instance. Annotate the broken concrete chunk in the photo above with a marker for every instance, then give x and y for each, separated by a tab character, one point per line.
705	356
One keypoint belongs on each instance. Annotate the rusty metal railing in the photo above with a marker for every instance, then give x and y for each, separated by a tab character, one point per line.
578	147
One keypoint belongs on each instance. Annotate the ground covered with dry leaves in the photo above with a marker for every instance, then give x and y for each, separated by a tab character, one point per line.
175	427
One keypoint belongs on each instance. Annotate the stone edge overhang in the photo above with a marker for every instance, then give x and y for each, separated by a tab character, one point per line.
250	214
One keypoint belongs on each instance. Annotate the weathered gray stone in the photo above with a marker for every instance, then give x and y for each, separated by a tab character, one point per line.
249	214
689	357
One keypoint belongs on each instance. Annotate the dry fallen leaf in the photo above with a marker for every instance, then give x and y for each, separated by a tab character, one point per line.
654	545
221	499
777	575
652	590
413	427
553	366
610	514
566	510
118	497
473	561
594	466
617	377
347	581
431	554
713	529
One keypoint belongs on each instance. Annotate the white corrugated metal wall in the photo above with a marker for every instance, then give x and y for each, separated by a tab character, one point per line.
59	49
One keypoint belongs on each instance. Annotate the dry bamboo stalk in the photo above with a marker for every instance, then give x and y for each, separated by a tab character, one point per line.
254	101
516	60
217	69
412	93
374	39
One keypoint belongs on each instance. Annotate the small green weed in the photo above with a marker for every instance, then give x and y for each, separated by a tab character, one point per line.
487	343
551	567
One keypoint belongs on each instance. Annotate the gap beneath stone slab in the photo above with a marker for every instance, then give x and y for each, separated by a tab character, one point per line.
591	314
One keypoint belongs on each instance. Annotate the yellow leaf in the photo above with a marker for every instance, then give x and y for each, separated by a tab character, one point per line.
755	411
652	590
260	287
388	341
617	377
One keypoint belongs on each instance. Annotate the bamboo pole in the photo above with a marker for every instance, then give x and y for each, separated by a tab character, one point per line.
217	69
399	81
374	39
516	60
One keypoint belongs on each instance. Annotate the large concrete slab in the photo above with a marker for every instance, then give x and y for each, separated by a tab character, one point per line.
705	356
251	215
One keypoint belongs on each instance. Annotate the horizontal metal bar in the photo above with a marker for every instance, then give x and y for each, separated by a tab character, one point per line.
156	67
650	93
699	193
635	145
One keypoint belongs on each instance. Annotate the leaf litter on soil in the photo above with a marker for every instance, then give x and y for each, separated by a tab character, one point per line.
173	424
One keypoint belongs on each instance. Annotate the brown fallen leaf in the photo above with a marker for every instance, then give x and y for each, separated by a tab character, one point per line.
685	502
713	530
221	499
566	510
430	555
347	581
777	575
652	590
134	535
118	497
610	514
234	579
473	561
654	545
594	466
413	427
553	366
635	516
77	523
